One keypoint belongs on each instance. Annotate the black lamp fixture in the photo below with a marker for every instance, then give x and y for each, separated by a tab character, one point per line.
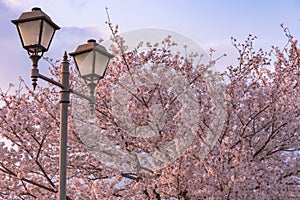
91	60
36	30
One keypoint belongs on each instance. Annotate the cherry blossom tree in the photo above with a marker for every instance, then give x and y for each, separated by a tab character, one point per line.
256	155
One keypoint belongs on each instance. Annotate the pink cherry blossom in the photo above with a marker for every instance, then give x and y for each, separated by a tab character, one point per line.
256	156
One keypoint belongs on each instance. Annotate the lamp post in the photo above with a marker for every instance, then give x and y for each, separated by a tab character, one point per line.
36	31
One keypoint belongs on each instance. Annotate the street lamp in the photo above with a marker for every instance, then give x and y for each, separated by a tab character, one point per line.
91	60
36	30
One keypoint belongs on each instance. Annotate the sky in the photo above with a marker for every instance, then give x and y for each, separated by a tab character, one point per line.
210	23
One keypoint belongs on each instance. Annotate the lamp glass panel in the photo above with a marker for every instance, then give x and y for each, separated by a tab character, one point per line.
30	32
48	32
85	63
100	63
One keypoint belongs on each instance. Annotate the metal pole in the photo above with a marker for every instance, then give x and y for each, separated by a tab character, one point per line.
64	101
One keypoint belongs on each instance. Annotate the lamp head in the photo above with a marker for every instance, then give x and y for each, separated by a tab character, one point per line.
36	31
91	60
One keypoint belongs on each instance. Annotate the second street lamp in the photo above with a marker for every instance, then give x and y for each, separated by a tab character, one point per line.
91	61
36	31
